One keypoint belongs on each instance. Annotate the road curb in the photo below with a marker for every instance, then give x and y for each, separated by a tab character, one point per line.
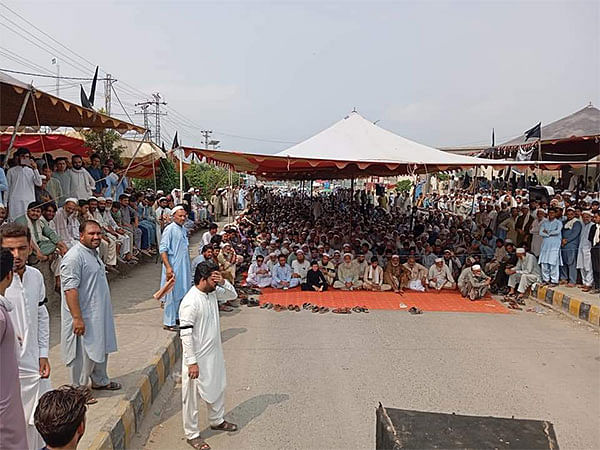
569	305
120	427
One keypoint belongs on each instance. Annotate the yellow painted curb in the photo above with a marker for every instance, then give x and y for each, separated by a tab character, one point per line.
594	316
574	307
171	351
146	390
557	299
541	293
160	369
128	419
101	442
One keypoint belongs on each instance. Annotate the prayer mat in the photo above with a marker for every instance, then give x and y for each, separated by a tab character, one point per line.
448	301
405	429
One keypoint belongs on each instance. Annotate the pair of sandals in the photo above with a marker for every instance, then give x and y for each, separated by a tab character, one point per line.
344	310
200	444
319	309
360	309
293	308
414	310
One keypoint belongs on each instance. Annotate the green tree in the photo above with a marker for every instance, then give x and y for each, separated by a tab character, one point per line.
404	185
105	143
207	178
167	178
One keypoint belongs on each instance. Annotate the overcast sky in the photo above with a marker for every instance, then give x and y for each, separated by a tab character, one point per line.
440	73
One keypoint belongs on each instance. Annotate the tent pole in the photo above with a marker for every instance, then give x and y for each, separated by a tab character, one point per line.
475	182
311	189
154	171
586	176
14	133
230	196
181	174
414	204
131	160
351	207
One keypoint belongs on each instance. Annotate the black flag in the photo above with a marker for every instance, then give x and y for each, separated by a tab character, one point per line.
493	138
163	147
175	141
84	100
93	89
535	132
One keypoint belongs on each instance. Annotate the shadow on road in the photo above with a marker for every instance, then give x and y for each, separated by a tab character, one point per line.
230	333
247	411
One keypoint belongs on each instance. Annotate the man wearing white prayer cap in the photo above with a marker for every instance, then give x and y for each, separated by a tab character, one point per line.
523	275
66	224
584	252
473	283
440	276
174	252
348	276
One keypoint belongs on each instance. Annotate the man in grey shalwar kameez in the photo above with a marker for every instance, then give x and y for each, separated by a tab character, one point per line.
88	328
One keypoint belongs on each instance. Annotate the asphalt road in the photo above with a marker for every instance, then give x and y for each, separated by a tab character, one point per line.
307	381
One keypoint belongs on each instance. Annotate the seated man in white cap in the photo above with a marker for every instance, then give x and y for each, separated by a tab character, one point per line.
65	222
347	275
395	274
440	276
473	283
300	266
525	273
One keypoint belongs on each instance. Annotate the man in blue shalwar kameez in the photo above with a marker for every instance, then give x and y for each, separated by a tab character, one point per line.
174	252
550	260
571	231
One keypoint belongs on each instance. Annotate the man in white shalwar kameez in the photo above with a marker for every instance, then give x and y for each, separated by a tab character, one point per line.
203	365
82	183
22	180
88	327
65	222
584	252
31	323
258	274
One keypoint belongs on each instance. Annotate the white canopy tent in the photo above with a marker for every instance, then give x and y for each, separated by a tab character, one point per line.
355	138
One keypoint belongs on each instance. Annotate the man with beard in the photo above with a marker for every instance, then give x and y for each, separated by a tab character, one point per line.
174	252
395	275
63	175
108	249
82	183
523	225
550	230
473	283
571	232
508	261
65	222
347	275
112	230
206	254
525	273
440	277
300	266
88	327
203	365
327	268
584	256
31	322
22	180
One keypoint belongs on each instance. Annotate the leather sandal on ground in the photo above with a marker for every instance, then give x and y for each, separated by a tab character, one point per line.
225	426
357	309
415	310
315	309
290	307
198	443
297	308
265	305
364	309
323	309
112	386
170	328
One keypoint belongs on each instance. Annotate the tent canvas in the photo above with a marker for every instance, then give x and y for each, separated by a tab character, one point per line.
44	109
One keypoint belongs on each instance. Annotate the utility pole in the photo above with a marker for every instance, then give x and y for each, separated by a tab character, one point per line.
156	103
55	62
206	134
108	82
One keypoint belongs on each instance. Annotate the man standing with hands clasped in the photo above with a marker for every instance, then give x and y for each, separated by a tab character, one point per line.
203	365
88	327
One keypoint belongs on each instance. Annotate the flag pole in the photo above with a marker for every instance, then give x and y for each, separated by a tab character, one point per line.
181	173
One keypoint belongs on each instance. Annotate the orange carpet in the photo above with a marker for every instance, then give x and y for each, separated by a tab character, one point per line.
450	301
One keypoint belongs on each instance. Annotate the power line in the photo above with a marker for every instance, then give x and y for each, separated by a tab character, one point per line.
49	76
119	100
22	60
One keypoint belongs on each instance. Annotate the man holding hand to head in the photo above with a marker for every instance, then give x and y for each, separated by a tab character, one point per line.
203	365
